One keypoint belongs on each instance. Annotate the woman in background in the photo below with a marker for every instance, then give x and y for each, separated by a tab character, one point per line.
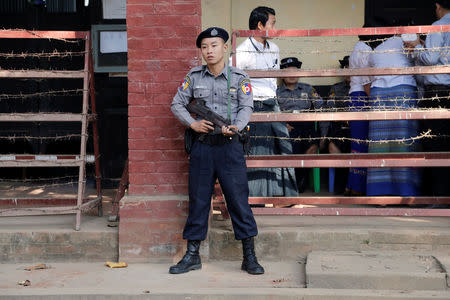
359	92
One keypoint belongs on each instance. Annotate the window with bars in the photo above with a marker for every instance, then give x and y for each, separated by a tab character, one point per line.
12	6
51	6
61	6
401	12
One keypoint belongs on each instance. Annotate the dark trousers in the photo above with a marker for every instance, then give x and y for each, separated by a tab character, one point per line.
226	163
435	180
303	130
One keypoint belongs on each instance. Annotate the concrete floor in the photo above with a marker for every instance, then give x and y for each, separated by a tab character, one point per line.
217	280
283	246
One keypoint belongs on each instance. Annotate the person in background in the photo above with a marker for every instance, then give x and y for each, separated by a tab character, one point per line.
259	53
434	51
337	100
392	92
300	97
359	92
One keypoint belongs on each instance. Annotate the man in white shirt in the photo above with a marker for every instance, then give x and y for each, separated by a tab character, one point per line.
434	51
258	53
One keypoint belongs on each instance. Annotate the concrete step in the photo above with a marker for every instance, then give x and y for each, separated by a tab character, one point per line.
291	237
375	270
234	294
216	280
53	239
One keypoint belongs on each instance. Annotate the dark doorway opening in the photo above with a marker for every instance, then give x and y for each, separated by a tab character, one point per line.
402	12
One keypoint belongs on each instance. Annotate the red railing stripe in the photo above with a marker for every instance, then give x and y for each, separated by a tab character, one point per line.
343	31
353	211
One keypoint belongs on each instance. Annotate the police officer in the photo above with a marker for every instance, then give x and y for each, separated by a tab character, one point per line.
218	152
300	97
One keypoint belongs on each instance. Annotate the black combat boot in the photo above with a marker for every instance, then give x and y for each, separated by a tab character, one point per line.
190	261
250	263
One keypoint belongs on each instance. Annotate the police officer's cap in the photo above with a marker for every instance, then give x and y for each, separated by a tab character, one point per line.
344	62
212	32
290	62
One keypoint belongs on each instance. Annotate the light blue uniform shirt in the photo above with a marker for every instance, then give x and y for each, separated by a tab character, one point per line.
201	84
434	54
390	54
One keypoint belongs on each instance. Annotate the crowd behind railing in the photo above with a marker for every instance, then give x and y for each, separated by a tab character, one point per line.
355	93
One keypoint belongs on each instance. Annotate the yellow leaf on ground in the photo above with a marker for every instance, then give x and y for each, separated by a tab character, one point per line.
116	265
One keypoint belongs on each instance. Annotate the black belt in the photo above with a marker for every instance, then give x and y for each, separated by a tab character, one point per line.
217	139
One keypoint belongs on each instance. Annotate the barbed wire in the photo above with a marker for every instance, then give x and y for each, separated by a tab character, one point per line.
407	141
40	94
340	39
37	180
354	109
363	99
49	182
445	50
42	138
43	186
324	39
44	70
14	114
54	53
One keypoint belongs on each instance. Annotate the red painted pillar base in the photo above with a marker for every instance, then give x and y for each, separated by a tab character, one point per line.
151	227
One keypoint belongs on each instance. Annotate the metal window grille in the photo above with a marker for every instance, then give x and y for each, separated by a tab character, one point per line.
12	6
61	6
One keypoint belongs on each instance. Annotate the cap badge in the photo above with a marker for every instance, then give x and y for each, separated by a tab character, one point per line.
289	61
214	32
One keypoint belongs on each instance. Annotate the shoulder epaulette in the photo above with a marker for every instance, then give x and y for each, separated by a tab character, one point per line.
196	69
304	85
238	71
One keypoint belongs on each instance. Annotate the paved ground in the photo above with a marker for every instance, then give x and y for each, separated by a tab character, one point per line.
281	246
217	280
393	270
141	277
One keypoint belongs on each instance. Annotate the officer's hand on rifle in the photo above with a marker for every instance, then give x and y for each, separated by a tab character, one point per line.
226	130
202	126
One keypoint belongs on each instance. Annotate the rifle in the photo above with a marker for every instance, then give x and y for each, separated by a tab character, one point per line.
199	108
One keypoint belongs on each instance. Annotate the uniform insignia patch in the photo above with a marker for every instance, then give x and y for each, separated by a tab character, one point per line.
332	95
185	84
304	96
314	93
246	87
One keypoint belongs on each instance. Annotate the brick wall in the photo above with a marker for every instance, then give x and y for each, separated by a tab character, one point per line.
161	50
